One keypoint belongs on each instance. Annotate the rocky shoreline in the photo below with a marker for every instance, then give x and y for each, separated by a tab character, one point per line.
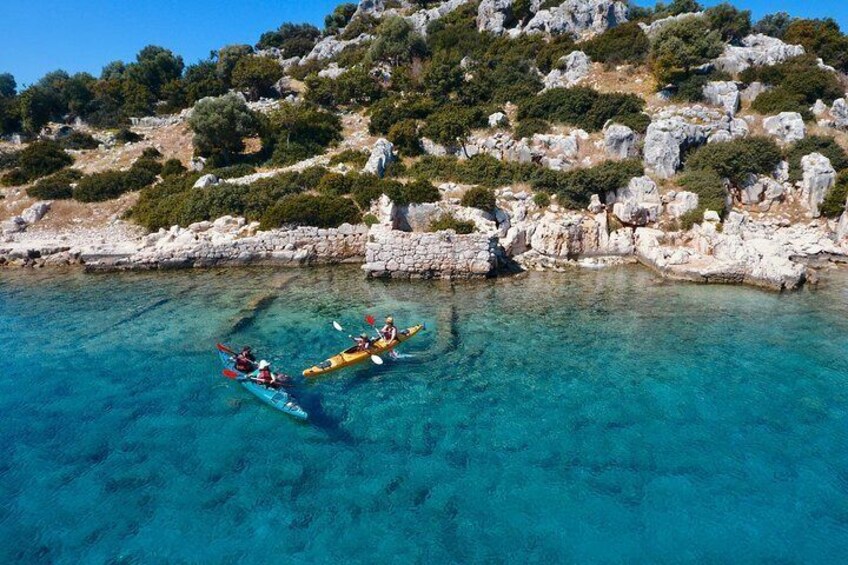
746	249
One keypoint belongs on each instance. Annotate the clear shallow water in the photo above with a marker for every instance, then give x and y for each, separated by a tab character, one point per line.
592	416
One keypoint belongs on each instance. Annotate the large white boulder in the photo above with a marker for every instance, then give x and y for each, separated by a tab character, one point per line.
756	50
570	70
683	203
381	156
819	178
619	141
664	141
206	181
578	17
724	94
573	17
786	127
638	203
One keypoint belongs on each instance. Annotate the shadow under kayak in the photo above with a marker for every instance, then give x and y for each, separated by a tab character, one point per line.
353	356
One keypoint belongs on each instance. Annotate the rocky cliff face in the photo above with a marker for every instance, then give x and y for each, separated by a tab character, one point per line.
578	18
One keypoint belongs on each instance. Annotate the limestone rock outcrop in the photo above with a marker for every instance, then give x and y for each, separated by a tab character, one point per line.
381	156
819	178
786	127
570	70
756	50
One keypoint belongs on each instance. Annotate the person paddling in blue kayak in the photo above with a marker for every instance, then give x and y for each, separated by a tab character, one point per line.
266	377
245	362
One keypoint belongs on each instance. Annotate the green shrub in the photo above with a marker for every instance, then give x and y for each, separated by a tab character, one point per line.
420	191
821	38
626	43
682	46
295	40
220	126
583	107
780	100
834	202
352	157
255	76
79	140
827	146
107	185
232	171
101	186
731	23
370	220
172	167
40	159
298	131
542	199
735	160
125	135
55	187
450	222
389	111
637	122
711	191
574	188
15	177
479	197
797	83
529	127
334	184
9	159
404	135
151	153
308	210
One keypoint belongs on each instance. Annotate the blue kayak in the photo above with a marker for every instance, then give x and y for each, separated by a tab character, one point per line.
279	399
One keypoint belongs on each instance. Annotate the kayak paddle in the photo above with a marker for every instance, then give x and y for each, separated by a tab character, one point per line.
376	359
232	375
338	326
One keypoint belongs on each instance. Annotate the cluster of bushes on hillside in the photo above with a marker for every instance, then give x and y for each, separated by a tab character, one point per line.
574	188
827	146
582	107
57	186
797	84
107	185
37	160
711	167
324	199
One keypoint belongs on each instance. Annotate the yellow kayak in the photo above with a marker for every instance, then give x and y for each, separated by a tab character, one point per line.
354	356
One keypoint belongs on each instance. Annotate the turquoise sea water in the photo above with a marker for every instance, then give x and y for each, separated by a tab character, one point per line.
581	417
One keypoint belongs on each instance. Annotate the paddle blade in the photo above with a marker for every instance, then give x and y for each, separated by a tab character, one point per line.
376	360
369	319
338	326
230	374
223	348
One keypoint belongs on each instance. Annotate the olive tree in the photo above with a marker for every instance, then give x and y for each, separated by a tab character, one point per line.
220	126
683	45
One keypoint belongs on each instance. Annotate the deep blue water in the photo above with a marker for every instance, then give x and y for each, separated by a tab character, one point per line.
581	417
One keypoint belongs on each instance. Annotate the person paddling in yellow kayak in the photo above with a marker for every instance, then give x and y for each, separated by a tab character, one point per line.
389	331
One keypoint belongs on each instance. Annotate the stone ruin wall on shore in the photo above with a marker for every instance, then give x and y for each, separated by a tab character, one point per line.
441	255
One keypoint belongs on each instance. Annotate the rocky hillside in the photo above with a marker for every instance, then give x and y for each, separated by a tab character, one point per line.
698	142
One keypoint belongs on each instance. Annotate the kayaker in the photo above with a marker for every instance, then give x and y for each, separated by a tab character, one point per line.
389	331
363	342
245	361
266	377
